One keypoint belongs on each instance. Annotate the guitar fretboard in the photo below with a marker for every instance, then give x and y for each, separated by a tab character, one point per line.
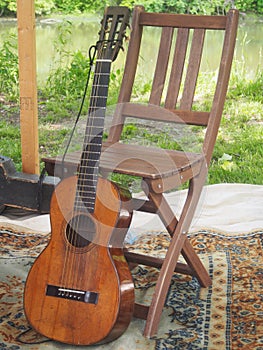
89	164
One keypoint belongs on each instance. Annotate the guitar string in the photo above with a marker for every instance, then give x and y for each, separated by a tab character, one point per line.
68	268
92	54
87	149
72	236
72	229
87	172
87	153
94	132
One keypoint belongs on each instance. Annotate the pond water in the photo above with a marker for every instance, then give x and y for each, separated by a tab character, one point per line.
248	54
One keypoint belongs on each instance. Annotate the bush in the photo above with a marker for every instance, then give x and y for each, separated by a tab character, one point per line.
197	6
68	81
9	68
68	77
42	7
69	6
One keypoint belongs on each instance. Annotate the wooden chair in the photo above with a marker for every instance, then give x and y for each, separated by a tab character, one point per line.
170	101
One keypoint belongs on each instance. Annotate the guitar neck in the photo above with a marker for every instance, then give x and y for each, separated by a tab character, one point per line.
89	164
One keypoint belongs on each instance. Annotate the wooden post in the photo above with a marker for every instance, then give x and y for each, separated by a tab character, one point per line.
28	86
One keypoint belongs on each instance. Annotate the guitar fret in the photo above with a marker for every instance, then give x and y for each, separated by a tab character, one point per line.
92	146
95	141
88	166
94	126
96	108
104	60
97	96
101	85
92	152
88	199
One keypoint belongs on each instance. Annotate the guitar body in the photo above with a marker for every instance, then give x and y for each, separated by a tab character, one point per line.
79	290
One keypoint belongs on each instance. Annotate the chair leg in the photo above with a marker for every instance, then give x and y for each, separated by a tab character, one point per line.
196	265
179	244
163	284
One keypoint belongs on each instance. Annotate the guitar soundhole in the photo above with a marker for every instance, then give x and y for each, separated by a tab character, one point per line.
80	231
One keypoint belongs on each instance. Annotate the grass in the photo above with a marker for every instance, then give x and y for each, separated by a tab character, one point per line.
10	142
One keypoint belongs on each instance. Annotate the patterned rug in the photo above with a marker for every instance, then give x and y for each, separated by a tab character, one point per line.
227	315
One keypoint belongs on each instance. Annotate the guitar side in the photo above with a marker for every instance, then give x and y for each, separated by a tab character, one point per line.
81	292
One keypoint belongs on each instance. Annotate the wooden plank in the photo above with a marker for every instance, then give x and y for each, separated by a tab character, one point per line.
28	86
177	67
182	21
137	160
135	110
161	66
193	69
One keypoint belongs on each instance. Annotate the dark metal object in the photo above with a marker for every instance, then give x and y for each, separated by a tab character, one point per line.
27	191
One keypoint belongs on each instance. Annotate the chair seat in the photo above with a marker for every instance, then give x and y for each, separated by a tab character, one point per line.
147	162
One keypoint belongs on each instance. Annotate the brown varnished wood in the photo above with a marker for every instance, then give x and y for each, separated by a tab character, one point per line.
185	21
171	115
128	75
151	163
222	85
177	68
97	268
161	66
192	69
155	262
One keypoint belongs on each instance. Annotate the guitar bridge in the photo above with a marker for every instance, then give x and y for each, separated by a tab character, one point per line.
72	294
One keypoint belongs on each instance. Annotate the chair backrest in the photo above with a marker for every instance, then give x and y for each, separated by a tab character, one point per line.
177	68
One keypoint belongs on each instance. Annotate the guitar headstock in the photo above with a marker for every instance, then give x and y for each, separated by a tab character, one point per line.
113	28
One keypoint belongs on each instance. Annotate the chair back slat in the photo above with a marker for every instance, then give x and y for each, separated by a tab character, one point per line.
193	69
177	67
161	66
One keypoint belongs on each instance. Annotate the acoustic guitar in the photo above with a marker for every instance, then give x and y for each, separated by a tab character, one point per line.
79	290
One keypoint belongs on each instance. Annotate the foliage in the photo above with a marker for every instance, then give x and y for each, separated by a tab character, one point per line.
249	5
69	6
67	78
43	7
9	68
197	6
180	6
249	88
10	142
